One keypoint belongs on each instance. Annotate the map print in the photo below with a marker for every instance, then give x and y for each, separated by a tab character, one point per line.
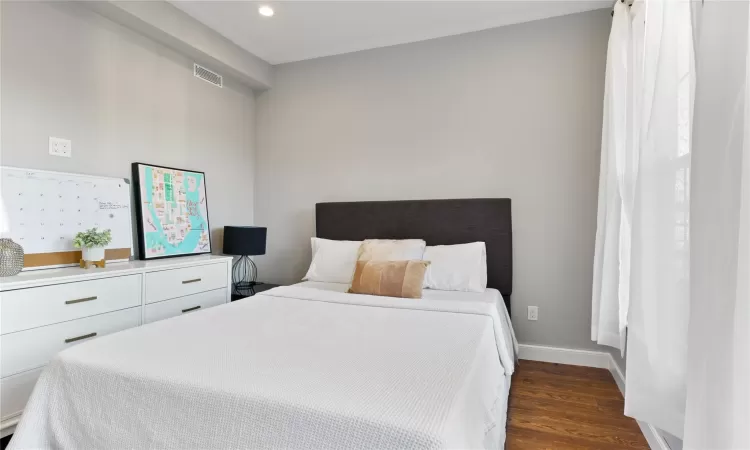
174	212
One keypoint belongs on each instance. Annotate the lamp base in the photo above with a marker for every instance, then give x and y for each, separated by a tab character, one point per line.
244	275
11	258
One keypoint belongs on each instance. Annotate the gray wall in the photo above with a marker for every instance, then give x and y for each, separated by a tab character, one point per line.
511	112
120	97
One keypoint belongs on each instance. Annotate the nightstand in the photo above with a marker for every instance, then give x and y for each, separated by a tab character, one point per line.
257	288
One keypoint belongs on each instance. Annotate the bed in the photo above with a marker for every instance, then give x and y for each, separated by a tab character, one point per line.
302	366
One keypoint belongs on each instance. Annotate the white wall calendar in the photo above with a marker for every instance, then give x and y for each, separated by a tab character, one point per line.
46	210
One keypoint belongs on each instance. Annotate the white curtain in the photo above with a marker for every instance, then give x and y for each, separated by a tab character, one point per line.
609	308
660	260
718	383
673	243
641	266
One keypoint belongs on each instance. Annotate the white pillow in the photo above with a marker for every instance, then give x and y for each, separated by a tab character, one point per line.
391	250
332	261
461	267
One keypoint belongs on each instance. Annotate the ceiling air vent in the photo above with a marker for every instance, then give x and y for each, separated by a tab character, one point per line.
207	75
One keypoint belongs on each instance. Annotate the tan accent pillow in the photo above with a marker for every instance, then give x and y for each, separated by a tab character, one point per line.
391	250
389	278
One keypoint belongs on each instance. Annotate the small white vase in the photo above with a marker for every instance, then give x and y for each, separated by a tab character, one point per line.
93	253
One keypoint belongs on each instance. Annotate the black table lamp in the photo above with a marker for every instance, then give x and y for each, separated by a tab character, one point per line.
245	242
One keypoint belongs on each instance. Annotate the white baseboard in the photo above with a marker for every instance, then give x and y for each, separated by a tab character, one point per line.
652	435
8	427
559	355
617	374
590	358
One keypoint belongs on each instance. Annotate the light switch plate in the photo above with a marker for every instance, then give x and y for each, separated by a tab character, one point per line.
60	147
533	313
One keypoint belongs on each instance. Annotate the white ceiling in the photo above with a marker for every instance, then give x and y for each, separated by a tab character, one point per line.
309	29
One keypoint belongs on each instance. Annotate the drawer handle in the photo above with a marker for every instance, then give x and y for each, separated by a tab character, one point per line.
194	280
191	309
79	300
85	336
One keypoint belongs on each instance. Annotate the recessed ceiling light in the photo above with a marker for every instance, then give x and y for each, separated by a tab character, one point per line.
265	11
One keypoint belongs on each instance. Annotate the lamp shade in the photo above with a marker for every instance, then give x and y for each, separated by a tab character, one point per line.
244	240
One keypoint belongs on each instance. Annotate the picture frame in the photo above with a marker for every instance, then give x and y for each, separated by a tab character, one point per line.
171	207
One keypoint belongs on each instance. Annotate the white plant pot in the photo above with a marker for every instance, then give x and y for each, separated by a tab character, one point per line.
93	253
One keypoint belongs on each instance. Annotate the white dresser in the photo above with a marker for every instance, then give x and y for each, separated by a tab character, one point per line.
45	311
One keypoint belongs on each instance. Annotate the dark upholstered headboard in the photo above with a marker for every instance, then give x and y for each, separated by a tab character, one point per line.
438	222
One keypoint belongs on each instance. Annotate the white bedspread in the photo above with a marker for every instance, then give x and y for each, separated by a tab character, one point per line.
296	367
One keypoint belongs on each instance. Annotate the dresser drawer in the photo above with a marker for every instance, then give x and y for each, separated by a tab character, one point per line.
185	281
26	350
35	307
183	305
15	392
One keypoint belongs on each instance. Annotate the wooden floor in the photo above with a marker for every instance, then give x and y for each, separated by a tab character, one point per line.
553	406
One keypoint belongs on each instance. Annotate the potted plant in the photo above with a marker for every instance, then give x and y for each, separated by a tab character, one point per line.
92	243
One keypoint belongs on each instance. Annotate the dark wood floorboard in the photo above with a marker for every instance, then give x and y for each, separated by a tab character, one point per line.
554	406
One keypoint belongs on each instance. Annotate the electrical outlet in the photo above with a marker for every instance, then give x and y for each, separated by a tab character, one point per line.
533	313
60	147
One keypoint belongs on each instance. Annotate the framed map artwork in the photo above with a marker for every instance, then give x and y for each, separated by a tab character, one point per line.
171	212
